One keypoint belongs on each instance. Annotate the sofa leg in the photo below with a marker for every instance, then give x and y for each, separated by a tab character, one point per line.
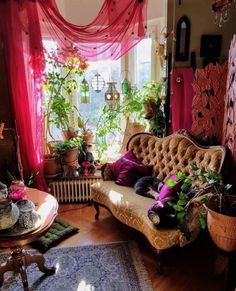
159	261
96	206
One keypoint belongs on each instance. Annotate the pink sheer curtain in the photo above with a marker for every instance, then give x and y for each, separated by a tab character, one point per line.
119	26
181	98
25	64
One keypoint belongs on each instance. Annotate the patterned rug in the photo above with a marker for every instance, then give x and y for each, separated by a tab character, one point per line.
106	267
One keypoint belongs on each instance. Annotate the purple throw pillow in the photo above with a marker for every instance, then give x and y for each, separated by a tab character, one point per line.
167	191
117	165
131	171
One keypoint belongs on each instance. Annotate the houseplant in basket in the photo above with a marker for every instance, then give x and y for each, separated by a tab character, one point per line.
221	210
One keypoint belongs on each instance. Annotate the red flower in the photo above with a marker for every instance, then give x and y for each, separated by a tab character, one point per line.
17	194
86	164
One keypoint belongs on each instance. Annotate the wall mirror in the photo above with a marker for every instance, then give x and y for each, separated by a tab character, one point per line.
182	39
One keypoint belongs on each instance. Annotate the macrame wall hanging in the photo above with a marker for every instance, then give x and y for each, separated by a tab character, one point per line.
209	103
229	130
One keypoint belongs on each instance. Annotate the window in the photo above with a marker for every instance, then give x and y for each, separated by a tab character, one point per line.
139	66
109	70
143	56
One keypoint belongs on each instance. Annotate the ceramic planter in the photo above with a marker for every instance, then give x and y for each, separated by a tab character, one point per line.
222	228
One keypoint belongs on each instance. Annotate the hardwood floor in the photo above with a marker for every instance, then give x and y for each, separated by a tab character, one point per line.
189	268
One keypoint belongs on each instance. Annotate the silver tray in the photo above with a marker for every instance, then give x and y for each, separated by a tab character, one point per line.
17	230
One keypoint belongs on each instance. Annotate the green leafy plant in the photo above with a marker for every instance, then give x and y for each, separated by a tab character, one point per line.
151	96
59	85
67	145
200	185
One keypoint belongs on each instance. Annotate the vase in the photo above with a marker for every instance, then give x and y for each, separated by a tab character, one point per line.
28	216
9	213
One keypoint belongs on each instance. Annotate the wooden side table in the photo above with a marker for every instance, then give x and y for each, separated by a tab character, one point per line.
46	207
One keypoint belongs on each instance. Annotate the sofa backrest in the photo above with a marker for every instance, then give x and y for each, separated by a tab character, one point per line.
174	153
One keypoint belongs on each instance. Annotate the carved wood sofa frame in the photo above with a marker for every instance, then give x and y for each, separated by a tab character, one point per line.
167	155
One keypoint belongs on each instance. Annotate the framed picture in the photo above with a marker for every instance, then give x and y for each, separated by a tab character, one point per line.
210	46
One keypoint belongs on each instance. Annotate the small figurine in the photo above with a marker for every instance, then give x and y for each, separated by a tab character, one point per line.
86	161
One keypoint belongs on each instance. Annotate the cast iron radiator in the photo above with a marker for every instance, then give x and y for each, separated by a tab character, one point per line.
73	190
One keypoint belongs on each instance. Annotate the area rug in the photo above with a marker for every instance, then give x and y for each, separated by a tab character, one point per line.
106	267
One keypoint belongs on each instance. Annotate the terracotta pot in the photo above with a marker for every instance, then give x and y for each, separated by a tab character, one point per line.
222	228
50	149
88	138
136	128
70	156
51	167
68	134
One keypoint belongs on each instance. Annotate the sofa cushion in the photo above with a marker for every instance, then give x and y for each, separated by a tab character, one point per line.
167	191
131	209
148	186
117	165
130	172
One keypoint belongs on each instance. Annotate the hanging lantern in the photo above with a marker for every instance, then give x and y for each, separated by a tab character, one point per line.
111	95
97	83
84	92
125	86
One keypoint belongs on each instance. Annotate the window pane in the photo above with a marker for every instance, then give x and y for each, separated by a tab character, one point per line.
108	70
143	61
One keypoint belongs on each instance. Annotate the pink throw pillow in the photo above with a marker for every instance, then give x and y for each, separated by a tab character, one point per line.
167	191
117	165
131	171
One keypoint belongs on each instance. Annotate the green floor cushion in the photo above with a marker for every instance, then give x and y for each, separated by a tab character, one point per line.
59	231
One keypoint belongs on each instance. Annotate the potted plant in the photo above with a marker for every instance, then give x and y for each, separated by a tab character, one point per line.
51	165
153	107
85	132
60	83
208	189
221	210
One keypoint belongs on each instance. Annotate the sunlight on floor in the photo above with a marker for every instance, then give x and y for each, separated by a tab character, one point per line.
83	286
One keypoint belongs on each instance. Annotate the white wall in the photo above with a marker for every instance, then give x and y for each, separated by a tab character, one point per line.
82	12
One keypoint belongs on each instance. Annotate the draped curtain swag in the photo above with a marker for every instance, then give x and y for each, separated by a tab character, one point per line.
119	26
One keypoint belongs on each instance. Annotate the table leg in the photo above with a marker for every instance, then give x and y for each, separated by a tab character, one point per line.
19	261
5	267
40	261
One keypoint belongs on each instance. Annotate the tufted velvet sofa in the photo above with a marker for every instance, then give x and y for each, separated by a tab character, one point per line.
168	155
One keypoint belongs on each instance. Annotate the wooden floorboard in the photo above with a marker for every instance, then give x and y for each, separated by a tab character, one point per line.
191	268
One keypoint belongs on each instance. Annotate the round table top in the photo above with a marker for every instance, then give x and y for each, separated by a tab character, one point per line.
46	207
